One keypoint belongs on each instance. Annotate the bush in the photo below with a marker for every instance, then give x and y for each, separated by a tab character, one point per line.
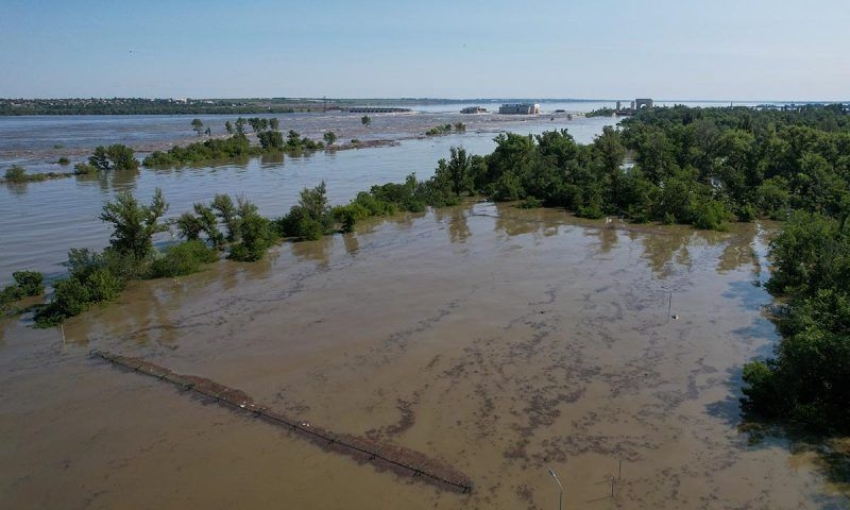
9	295
182	259
16	173
346	216
76	294
257	237
710	215
299	224
31	283
64	161
530	203
84	169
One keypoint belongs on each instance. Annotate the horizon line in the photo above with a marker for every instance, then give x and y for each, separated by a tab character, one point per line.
443	99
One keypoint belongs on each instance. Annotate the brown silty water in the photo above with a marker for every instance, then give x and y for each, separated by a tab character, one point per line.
500	341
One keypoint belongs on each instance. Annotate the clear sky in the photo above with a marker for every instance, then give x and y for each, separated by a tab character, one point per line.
665	49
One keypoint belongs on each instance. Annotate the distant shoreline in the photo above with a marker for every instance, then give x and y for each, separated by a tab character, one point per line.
274	106
17	107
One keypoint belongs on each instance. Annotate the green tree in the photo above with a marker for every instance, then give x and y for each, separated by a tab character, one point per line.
114	157
457	171
228	126
366	120
198	126
225	209
271	140
329	137
134	225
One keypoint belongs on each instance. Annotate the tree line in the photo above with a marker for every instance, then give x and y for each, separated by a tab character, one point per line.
140	106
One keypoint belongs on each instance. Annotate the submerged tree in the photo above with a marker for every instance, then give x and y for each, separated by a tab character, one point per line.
114	157
134	224
198	126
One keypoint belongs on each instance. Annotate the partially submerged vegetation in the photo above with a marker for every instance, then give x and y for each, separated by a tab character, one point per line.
27	284
224	225
702	167
237	145
445	129
104	159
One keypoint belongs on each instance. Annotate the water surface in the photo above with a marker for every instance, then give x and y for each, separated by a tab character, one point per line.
515	341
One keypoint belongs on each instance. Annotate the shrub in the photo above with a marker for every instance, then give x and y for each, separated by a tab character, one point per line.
64	161
9	295
710	215
257	236
346	216
299	224
182	259
16	173
530	203
76	294
31	283
84	169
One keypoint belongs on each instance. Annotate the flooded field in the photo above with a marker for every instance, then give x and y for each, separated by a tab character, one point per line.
502	342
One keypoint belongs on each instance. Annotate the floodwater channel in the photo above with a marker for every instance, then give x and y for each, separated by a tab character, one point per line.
504	342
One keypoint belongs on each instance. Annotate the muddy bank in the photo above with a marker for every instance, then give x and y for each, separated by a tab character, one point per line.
500	341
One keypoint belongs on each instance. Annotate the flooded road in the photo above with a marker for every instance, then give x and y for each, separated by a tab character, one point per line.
501	341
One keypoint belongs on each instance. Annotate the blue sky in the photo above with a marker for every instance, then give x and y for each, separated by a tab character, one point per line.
665	49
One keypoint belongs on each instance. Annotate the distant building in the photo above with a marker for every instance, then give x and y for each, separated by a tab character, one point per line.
643	103
520	109
633	108
474	109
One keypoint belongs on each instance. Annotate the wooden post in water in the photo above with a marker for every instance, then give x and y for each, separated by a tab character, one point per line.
620	470
669	307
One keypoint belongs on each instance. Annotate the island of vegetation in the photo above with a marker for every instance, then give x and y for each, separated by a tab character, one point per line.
703	167
237	145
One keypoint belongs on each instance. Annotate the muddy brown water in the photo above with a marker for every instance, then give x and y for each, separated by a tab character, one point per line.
501	341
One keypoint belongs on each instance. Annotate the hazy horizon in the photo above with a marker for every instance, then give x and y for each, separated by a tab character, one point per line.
442	99
723	51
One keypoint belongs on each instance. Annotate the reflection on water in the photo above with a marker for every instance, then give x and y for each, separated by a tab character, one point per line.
271	160
352	245
607	239
17	188
314	251
110	182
